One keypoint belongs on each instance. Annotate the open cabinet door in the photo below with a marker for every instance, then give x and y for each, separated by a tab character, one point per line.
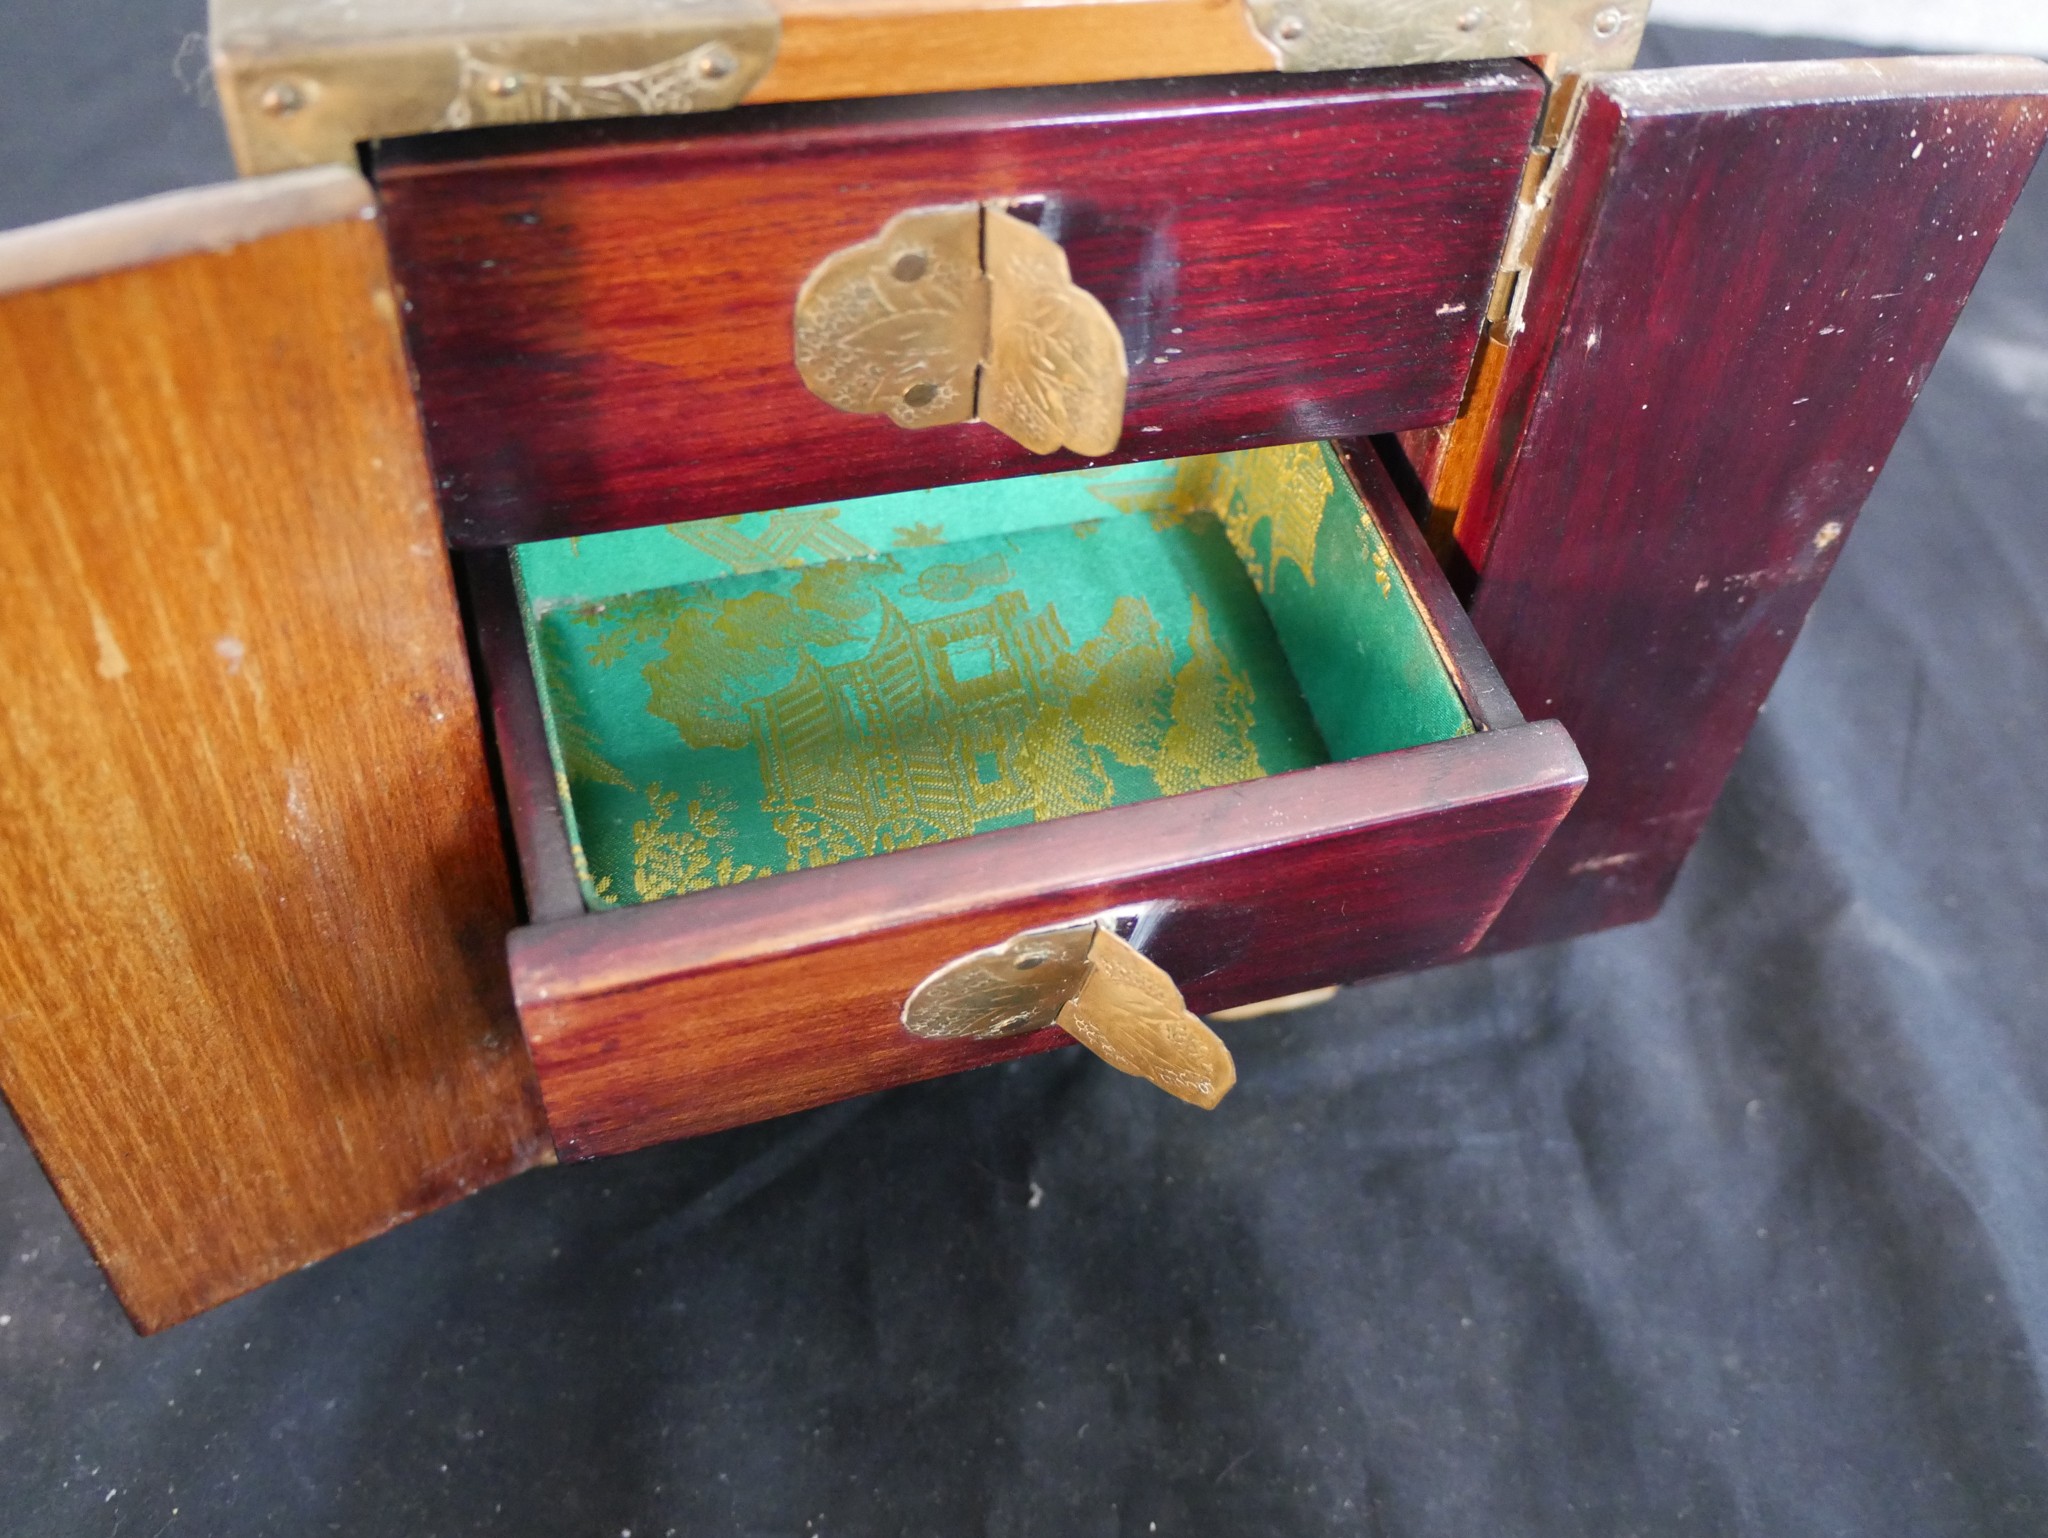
253	1000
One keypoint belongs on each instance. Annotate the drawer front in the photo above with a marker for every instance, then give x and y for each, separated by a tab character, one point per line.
725	1006
1285	257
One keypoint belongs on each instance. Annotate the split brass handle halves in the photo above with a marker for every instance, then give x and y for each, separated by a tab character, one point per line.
964	313
1094	986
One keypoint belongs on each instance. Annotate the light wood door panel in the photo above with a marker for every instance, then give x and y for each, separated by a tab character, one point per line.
253	1002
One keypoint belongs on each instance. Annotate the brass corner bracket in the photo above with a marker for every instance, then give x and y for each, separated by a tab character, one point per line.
1572	36
964	313
302	84
1092	984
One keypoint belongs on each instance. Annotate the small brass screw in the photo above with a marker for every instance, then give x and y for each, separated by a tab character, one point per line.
1291	28
1472	20
1609	21
281	98
716	62
909	267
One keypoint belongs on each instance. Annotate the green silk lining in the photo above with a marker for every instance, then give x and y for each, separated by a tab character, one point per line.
738	697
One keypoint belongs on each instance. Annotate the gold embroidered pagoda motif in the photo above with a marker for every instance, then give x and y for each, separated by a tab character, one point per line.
772	692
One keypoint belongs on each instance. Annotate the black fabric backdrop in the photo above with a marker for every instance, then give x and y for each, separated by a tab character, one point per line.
1732	1222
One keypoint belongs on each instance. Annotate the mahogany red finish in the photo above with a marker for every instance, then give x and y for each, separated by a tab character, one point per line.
725	1007
1747	277
526	771
600	315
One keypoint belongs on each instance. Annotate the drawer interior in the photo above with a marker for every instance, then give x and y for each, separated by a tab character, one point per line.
737	698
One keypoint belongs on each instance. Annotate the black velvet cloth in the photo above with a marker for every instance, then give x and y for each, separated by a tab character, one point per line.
1732	1222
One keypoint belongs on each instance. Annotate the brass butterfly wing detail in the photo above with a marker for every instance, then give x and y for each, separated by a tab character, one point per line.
1056	373
895	324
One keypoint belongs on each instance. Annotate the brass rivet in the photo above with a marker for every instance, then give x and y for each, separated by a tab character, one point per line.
909	267
1291	27
1609	21
919	396
1472	20
504	84
281	99
716	62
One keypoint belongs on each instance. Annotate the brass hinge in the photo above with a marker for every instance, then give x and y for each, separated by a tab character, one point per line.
302	84
1570	36
962	313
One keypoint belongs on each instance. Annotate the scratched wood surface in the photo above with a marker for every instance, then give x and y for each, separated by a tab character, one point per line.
600	315
252	1001
684	1016
1748	274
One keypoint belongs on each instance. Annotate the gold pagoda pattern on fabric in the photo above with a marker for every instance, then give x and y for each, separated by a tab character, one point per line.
742	697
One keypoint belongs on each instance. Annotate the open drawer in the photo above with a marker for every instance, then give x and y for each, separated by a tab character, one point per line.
772	772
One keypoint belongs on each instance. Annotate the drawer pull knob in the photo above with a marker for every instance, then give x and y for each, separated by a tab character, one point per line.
1093	985
964	313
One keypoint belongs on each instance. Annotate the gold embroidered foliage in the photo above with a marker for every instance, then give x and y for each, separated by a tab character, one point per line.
1210	741
669	860
1282	489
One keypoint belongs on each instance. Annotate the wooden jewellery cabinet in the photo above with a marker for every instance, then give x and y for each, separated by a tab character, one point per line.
638	537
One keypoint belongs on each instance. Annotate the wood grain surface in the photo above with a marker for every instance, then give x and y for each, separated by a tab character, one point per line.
600	315
1748	274
252	1002
843	48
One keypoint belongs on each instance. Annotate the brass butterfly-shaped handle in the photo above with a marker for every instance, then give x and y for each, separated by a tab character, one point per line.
964	313
1093	985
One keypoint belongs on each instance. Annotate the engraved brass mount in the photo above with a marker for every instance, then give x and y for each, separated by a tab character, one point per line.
1572	35
1094	985
302	83
964	313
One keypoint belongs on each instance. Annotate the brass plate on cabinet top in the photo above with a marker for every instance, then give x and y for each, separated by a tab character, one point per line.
1574	35
303	82
1093	985
961	313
